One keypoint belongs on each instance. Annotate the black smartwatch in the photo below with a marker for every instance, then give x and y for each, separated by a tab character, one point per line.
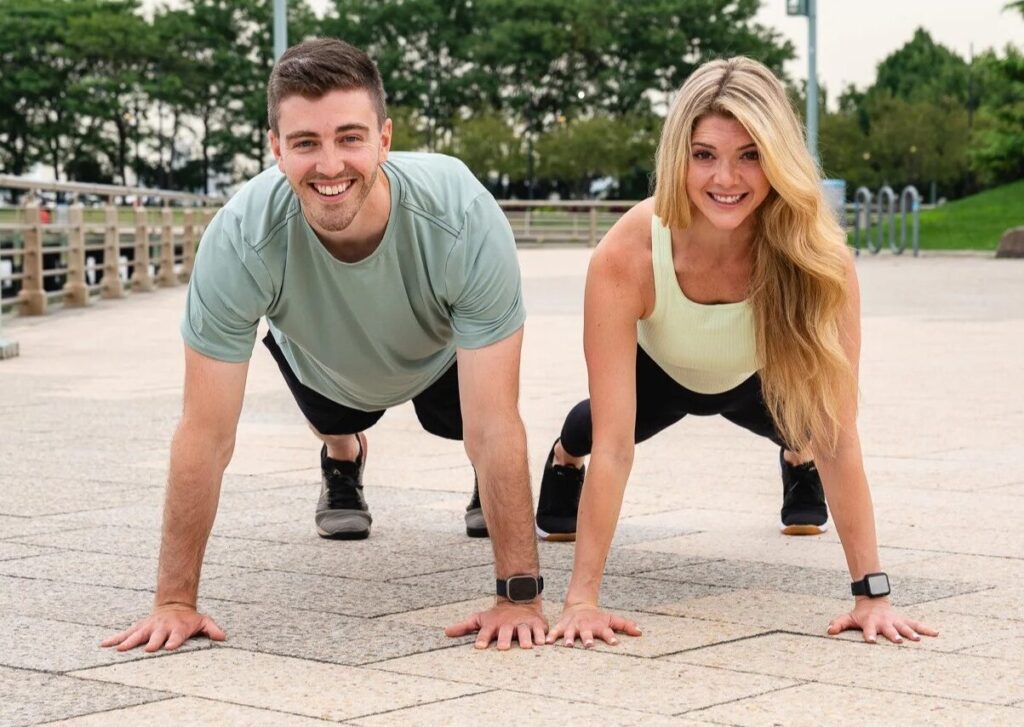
873	585
520	589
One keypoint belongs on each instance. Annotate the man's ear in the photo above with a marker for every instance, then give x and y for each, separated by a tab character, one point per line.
275	148
385	141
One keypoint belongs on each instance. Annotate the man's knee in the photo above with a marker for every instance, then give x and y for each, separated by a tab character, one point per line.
440	424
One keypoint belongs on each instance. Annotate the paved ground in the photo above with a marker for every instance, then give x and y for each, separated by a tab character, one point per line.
734	614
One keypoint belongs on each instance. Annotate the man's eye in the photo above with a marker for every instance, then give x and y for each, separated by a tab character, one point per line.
304	144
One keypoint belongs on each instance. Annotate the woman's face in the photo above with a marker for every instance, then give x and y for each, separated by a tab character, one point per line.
724	179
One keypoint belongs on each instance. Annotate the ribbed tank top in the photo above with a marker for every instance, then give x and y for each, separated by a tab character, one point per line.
708	349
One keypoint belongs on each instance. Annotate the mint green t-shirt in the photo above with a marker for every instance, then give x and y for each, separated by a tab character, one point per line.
370	334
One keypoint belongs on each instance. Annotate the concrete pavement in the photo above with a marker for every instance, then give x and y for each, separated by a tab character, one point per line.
734	614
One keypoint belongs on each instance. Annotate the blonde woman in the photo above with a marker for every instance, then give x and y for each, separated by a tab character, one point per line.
730	292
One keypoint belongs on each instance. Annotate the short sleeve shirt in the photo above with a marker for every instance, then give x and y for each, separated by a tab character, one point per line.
369	334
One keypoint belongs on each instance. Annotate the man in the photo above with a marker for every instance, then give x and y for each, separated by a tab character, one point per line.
383	278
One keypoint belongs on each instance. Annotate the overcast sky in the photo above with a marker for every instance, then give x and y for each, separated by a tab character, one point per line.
855	35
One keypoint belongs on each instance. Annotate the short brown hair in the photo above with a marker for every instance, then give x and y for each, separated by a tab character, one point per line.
316	67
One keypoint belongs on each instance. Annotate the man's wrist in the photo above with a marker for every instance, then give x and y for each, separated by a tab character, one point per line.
162	601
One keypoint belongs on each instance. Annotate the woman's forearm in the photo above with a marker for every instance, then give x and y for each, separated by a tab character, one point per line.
600	504
849	498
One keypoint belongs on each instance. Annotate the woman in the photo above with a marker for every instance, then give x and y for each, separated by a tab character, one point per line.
730	292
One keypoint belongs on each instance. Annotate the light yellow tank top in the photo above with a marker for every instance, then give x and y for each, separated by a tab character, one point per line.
708	349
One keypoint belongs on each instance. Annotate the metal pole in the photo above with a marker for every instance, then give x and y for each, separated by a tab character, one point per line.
812	78
280	27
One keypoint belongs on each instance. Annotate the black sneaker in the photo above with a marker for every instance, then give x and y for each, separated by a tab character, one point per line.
476	526
803	499
341	512
560	488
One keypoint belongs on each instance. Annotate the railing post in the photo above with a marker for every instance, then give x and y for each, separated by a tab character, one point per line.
141	280
76	292
593	225
207	219
31	299
188	246
167	277
8	346
111	285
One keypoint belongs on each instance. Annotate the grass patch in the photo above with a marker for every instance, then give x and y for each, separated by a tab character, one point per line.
976	222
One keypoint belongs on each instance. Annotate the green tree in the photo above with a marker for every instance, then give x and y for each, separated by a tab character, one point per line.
923	70
490	147
578	152
113	46
422	50
997	139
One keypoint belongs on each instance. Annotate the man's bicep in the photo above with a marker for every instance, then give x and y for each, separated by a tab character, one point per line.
213	393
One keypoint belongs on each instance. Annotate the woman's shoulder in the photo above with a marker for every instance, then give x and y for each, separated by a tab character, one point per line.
626	247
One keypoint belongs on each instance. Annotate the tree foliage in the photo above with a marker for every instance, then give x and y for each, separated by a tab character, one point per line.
555	92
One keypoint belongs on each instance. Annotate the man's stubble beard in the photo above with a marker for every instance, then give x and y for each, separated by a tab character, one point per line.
339	219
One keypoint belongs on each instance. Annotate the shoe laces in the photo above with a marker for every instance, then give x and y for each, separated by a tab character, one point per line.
803	485
343	489
565	495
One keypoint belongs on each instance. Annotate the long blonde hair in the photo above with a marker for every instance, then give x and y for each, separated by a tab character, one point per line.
798	277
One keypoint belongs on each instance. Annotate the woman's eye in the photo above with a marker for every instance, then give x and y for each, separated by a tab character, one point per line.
702	155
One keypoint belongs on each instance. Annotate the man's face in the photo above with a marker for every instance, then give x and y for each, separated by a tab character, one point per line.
331	149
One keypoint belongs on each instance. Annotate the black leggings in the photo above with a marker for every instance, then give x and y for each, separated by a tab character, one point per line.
661	402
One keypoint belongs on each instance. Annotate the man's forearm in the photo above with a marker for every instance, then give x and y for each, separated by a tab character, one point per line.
193	490
504	478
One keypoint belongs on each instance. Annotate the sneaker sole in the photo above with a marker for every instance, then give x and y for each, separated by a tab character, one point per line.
350	535
803	529
556	537
477	532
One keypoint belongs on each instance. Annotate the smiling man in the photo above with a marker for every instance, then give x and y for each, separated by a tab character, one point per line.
384	278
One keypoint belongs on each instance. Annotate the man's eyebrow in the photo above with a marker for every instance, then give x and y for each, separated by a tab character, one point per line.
338	130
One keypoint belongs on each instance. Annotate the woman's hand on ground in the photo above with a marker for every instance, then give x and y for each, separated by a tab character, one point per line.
168	626
587	621
875	616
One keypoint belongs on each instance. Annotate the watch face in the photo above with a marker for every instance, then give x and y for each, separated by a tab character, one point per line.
522	588
878	584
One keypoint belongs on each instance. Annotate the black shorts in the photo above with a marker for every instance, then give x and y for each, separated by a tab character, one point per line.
437	407
661	401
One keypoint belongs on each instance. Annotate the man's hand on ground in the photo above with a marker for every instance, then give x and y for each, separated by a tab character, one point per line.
168	626
523	621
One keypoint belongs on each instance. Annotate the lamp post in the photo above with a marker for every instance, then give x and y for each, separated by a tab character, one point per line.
280	27
809	9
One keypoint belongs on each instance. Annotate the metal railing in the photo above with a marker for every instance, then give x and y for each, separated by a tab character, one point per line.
581	222
70	252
